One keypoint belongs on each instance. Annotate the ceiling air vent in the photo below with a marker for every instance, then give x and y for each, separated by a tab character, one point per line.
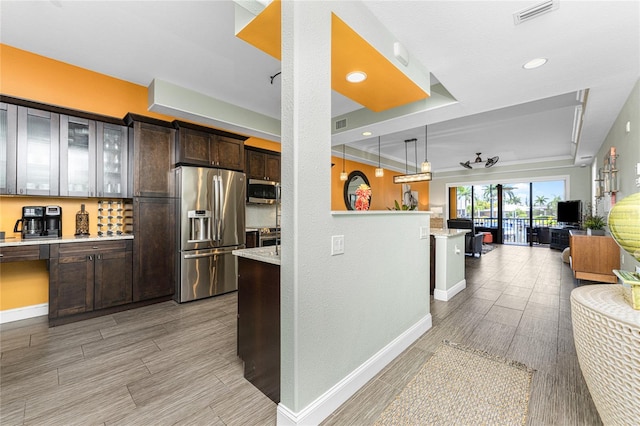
535	11
341	124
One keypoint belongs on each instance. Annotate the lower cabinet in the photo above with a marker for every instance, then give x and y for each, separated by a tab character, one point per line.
88	276
259	324
559	238
594	257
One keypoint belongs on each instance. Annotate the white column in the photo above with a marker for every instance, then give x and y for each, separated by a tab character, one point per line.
306	168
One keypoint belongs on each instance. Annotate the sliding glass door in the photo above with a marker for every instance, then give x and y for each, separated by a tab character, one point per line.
515	212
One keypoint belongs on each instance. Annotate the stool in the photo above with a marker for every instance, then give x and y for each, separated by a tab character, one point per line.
488	238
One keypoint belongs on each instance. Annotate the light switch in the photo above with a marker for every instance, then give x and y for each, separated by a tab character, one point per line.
337	245
424	232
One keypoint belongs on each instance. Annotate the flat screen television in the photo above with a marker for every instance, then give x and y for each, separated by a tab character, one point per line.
569	212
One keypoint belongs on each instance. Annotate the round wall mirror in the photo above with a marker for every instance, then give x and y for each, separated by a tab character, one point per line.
355	179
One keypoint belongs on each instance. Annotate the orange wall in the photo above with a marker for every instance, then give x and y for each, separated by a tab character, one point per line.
27	283
40	79
383	190
263	143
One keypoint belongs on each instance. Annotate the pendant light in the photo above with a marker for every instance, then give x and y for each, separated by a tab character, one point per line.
414	177
343	174
379	170
426	165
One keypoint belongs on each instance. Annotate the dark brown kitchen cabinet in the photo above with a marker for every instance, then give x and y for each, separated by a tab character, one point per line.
37	154
24	253
88	276
8	147
151	156
263	165
228	153
154	248
251	240
113	278
259	324
203	146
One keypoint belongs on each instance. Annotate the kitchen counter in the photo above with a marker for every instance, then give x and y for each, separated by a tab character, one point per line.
448	233
17	241
262	254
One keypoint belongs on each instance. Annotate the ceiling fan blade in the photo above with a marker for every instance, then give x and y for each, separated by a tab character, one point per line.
491	161
466	165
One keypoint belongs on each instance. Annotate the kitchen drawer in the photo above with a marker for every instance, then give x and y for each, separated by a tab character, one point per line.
90	247
24	253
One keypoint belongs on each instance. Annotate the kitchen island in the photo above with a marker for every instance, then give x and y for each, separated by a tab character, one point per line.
259	317
448	262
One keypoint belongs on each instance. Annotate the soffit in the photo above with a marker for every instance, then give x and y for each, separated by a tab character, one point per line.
386	86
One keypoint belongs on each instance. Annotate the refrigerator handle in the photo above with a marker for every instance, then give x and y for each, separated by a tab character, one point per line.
220	204
199	255
214	223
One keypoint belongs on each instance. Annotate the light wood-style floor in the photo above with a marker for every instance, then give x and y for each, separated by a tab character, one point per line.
176	364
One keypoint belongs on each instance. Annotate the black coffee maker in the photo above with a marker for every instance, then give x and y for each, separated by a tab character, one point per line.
32	222
52	222
40	222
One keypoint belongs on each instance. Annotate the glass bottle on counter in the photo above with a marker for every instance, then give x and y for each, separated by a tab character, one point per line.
82	222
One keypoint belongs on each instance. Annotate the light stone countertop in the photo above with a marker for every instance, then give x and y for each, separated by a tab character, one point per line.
17	241
262	254
448	233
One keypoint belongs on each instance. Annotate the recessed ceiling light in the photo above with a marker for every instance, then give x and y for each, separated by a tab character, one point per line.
535	63
366	133
356	77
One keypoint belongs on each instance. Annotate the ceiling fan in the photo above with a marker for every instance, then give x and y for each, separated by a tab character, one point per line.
490	161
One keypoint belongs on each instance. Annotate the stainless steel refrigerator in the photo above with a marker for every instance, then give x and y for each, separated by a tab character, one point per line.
211	226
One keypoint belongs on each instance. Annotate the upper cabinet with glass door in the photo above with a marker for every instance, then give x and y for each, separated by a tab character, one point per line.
37	153
8	145
77	157
93	158
112	160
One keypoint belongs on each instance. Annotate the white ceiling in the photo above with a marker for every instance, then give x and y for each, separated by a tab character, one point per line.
472	47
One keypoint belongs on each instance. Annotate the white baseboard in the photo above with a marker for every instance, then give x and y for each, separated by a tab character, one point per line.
327	403
26	312
446	295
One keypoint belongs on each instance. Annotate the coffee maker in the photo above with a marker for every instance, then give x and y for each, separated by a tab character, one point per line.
32	222
52	222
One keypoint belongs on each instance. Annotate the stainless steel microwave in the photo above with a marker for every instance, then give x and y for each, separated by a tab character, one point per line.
262	191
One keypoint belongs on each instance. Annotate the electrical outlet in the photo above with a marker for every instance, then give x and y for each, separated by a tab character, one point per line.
337	244
621	259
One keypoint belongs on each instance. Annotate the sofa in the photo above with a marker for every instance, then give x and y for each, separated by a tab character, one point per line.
473	239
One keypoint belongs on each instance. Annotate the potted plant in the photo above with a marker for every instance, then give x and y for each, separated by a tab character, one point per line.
403	207
595	225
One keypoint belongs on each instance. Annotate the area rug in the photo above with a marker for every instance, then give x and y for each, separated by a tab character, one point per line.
459	385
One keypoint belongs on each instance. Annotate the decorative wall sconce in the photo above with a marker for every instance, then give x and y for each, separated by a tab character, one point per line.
599	184
610	172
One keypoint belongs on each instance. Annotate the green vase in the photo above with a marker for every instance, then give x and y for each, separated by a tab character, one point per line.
624	224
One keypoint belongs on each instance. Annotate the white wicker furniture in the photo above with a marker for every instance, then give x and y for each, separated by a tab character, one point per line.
606	331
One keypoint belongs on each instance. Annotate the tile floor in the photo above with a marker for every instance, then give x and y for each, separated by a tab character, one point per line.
176	365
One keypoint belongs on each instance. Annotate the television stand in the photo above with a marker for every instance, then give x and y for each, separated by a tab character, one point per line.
559	238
